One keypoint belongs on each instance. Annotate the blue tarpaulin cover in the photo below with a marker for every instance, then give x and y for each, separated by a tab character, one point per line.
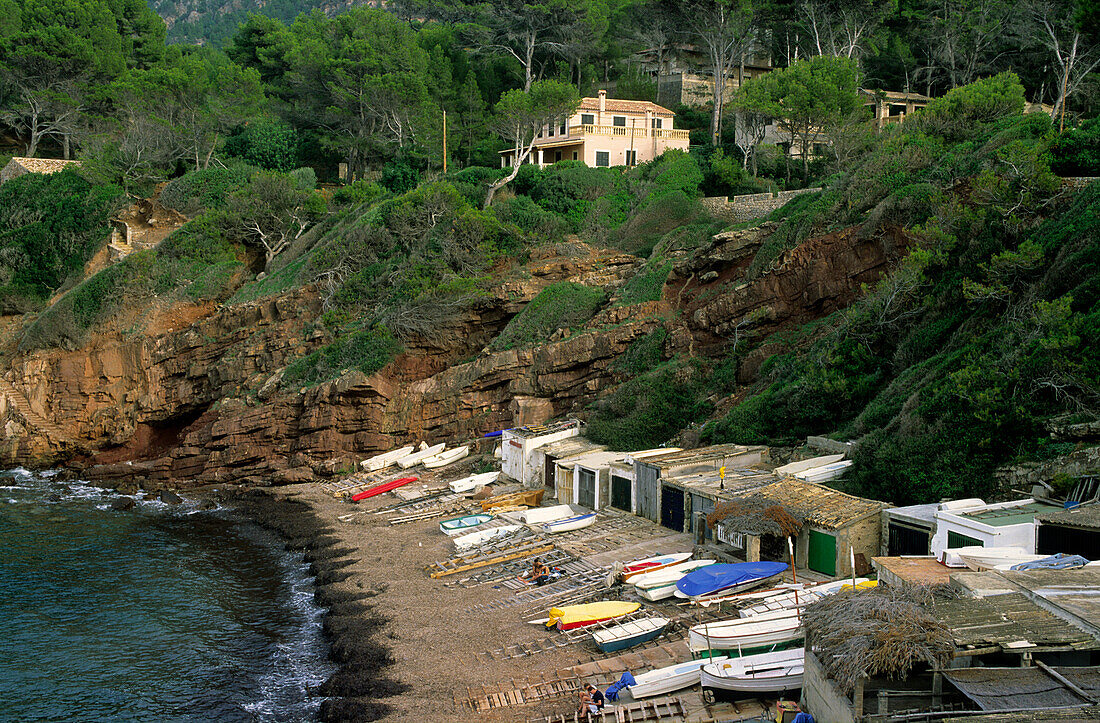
712	578
1060	561
613	691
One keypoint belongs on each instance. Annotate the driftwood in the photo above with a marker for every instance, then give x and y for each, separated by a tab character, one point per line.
882	632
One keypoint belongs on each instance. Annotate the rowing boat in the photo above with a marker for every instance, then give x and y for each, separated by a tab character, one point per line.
473	482
411	460
570	523
381	461
547	514
629	634
775	672
782	626
800	598
670	678
578	616
980	558
480	537
652	564
462	524
445	458
380	488
725	579
662	583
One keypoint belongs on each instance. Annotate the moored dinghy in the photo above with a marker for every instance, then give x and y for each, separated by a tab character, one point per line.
445	458
576	522
459	525
411	460
629	634
670	678
473	482
775	672
381	461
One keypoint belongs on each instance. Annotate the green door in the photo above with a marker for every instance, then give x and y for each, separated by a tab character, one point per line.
822	553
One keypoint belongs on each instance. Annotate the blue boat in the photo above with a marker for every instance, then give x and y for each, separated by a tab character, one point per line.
726	579
629	634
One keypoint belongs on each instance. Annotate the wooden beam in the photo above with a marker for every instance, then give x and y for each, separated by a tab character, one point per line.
1066	681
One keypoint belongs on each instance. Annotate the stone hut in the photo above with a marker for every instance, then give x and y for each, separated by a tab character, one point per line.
19	166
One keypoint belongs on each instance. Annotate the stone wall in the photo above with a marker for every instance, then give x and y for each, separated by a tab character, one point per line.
1078	181
1023	476
820	696
739	209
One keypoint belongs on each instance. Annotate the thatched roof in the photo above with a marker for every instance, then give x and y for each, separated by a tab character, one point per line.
881	632
757	515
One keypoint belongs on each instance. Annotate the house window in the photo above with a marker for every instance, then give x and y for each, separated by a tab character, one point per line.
603	158
574	155
588	119
557	156
561	129
619	121
632	158
658	122
550	130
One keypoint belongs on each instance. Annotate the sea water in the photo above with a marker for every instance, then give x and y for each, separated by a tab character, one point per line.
161	613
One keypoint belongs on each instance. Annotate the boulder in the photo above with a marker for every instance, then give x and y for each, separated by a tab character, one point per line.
169	498
122	504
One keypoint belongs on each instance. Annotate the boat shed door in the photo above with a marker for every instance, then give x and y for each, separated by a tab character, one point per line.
586	488
822	553
906	540
620	493
647	491
672	508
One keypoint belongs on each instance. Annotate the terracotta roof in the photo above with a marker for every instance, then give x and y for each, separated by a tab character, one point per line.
625	106
896	95
825	506
42	165
915	570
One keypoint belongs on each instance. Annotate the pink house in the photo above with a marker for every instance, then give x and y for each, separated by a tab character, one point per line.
606	132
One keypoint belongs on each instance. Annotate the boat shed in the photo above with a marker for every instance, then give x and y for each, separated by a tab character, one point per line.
548	455
1074	531
1001	524
624	484
517	453
908	530
668	504
704	491
586	478
835	526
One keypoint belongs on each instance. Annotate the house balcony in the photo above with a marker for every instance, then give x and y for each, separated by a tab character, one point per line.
580	132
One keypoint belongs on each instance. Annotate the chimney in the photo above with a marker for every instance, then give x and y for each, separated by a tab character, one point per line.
603	100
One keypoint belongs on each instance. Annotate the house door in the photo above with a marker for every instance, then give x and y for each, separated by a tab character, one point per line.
586	488
672	508
905	540
822	553
620	493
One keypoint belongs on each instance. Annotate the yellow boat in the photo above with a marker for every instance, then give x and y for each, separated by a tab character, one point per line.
577	616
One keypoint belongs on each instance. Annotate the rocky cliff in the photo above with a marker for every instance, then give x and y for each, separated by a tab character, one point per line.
197	396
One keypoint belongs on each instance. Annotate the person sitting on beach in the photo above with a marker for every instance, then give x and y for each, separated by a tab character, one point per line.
540	572
587	707
596	696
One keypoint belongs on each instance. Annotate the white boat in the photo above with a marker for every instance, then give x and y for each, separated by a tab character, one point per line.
980	558
670	678
547	514
480	537
824	473
381	461
462	525
473	482
800	598
776	672
567	524
411	460
662	583
637	568
776	628
445	458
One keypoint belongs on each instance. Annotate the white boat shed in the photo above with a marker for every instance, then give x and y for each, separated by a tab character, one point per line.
517	453
1001	524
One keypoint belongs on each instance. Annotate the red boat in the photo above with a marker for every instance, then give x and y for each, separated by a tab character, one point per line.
384	487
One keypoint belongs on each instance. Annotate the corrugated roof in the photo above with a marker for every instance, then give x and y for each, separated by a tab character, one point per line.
825	507
570	447
1009	621
42	165
1092	712
1013	688
541	430
1083	516
625	106
717	453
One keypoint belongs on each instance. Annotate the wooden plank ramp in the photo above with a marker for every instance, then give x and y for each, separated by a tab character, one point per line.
462	564
667	708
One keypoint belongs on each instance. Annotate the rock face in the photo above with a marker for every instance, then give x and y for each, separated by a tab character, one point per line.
199	397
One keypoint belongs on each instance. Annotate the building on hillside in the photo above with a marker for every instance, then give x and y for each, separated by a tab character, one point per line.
682	73
972	522
832	527
585	479
19	166
1074	531
624	483
605	132
662	501
518	446
546	457
704	491
892	106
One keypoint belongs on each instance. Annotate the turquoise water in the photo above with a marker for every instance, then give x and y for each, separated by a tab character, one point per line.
157	614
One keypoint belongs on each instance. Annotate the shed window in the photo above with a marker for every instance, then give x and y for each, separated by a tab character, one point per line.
954	539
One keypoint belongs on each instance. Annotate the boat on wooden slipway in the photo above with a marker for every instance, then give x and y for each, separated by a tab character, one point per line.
661	584
445	458
459	525
411	460
670	678
480	537
629	634
568	617
473	482
726	579
775	672
797	598
577	522
651	564
767	629
381	461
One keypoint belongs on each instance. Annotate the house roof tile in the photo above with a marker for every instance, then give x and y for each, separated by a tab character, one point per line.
826	507
42	165
625	106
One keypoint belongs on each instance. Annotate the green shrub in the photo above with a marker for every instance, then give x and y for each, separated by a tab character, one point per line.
644	354
960	111
367	350
358	193
399	176
204	189
649	410
268	144
562	305
305	178
1076	152
799	218
647	284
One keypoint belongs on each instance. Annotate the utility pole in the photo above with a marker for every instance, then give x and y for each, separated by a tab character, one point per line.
444	142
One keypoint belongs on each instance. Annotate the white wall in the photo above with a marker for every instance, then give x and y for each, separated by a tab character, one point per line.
518	458
1020	535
